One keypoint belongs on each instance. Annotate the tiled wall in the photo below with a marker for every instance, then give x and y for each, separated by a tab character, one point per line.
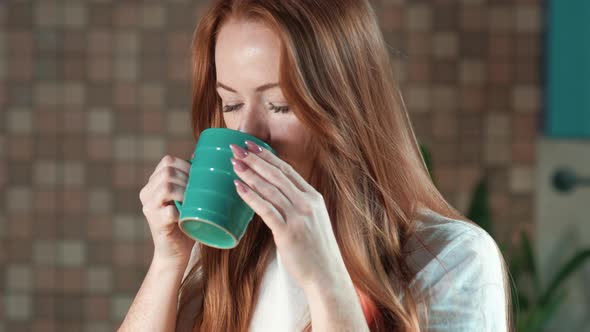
94	93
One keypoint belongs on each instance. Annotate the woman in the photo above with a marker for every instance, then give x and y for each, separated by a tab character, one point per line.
350	233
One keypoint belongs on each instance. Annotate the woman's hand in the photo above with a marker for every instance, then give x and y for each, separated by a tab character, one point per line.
294	211
167	183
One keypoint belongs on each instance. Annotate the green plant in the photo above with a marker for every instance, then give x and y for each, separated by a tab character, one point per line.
536	305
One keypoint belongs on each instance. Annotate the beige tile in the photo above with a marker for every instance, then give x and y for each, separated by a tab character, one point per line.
99	200
47	14
498	125
126	43
178	123
526	98
48	94
99	120
19	121
444	44
521	179
126	148
75	14
71	253
152	16
74	93
17	306
73	174
527	18
120	304
45	173
19	278
17	198
126	68
125	227
153	147
98	280
417	98
152	96
418	17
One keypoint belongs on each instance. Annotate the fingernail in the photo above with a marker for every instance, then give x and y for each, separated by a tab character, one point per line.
253	147
240	186
240	165
238	151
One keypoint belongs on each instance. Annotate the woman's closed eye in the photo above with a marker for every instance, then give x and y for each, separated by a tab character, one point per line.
276	109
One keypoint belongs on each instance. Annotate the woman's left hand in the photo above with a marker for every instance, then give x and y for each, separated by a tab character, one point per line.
294	211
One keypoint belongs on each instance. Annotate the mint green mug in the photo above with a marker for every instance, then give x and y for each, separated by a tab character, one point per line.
212	211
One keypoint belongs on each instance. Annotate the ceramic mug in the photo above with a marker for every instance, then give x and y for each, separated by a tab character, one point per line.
212	211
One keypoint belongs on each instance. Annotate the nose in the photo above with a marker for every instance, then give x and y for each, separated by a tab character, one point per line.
254	123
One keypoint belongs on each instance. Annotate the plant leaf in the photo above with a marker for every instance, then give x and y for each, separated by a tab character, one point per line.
529	260
538	318
427	160
574	263
479	211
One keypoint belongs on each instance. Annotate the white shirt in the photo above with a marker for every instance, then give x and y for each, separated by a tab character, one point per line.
458	281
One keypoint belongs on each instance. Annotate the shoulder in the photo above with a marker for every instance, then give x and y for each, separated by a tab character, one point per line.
458	272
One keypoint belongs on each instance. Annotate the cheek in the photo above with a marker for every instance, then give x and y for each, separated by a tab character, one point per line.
289	141
231	121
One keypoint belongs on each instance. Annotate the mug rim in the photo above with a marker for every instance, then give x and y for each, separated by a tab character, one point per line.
212	224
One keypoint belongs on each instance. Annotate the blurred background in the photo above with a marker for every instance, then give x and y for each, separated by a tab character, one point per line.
94	93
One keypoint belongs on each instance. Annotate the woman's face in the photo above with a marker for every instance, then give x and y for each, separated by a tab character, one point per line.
247	67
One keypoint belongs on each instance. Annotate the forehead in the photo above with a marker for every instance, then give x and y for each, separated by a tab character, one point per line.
246	50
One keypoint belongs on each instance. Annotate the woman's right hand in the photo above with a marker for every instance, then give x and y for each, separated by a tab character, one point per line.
167	183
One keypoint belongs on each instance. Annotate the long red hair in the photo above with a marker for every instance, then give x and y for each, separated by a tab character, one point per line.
336	74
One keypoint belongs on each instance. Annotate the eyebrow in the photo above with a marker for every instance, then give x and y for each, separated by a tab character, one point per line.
258	89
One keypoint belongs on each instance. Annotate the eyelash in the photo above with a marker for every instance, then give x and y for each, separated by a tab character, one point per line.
276	109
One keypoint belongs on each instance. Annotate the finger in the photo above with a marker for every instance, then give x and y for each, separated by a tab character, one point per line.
267	212
172	174
172	161
266	190
280	164
165	193
166	175
168	214
273	175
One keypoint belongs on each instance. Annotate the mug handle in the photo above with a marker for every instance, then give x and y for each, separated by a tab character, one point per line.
177	203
